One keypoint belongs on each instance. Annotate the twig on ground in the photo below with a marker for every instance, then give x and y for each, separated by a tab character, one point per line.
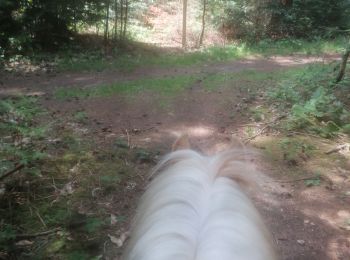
296	180
16	169
307	134
261	131
339	148
54	185
141	177
40	218
48	232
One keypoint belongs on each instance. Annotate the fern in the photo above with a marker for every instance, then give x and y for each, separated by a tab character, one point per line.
312	103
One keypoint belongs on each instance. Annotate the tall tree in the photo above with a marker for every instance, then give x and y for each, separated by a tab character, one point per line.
184	25
107	21
126	12
115	19
121	17
203	22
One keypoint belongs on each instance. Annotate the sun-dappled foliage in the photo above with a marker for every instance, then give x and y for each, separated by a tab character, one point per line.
51	25
254	20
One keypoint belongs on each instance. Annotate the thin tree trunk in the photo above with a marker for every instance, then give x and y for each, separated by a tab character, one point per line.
121	18
343	66
125	16
203	22
115	19
75	16
184	26
107	22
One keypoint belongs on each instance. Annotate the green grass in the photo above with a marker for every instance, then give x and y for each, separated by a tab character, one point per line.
169	85
298	46
217	80
126	62
96	61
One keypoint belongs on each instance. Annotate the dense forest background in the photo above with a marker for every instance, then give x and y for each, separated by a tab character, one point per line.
27	26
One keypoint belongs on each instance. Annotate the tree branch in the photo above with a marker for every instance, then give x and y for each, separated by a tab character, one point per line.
18	167
343	66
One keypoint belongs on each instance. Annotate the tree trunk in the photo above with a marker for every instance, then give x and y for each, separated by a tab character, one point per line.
115	19
125	16
121	18
343	66
184	26
75	16
203	22
107	22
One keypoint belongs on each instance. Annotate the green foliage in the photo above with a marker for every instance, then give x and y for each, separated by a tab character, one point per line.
293	148
168	85
94	60
289	46
346	129
256	20
80	116
93	224
45	24
313	182
258	113
121	143
312	103
77	255
7	233
20	134
305	19
143	156
9	25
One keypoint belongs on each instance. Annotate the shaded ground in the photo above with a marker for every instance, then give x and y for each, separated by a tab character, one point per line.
306	222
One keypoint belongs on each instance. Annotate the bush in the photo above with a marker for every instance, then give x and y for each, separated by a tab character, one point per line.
309	97
253	20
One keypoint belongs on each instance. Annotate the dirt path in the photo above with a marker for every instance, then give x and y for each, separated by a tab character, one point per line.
307	223
47	82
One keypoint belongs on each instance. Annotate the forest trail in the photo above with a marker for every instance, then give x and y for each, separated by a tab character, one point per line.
46	82
306	222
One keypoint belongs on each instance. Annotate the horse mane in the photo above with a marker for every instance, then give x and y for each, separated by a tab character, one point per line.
194	209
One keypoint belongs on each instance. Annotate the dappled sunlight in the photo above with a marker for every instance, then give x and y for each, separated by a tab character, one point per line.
330	169
208	140
335	178
338	247
286	61
192	131
337	218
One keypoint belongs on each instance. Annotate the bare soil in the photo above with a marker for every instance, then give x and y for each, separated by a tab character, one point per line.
306	222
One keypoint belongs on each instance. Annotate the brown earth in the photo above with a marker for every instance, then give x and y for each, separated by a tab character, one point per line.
306	222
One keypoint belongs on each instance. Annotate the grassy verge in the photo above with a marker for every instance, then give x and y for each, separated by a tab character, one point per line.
96	61
174	84
138	56
166	86
76	189
312	101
